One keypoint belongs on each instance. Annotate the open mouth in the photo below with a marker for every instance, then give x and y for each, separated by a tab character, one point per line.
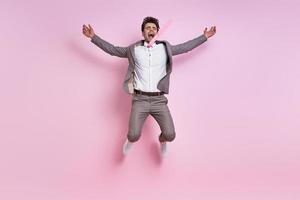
151	35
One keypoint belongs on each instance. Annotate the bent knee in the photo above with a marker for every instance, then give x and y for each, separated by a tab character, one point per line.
133	137
169	136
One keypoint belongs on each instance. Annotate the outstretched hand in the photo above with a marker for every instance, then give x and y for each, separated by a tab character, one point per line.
211	32
88	31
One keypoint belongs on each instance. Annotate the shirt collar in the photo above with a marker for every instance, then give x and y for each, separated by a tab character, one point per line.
146	44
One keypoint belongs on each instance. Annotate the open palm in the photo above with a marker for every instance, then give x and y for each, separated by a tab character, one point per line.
88	31
211	32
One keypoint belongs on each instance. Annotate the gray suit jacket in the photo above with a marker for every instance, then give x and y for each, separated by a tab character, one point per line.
128	52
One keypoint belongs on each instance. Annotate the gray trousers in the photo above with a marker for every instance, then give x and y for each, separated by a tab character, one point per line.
156	106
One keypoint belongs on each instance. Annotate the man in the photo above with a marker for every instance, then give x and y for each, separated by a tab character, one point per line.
147	77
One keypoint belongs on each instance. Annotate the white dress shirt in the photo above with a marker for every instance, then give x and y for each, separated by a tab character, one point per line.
150	66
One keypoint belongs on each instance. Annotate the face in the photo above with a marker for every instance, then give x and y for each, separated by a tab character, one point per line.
150	30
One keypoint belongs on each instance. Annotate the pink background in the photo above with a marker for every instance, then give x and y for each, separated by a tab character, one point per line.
234	100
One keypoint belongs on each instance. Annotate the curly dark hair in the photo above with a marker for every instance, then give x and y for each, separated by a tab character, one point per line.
150	20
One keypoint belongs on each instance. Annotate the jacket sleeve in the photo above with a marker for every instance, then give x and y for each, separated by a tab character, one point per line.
109	48
187	46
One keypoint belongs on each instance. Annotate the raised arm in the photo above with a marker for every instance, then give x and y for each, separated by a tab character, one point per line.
104	45
191	44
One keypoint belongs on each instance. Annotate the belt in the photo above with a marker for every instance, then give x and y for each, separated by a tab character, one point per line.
148	93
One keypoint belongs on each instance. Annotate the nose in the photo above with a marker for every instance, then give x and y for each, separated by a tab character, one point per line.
152	31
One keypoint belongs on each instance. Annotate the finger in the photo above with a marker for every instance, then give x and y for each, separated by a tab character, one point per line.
90	27
205	29
84	29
